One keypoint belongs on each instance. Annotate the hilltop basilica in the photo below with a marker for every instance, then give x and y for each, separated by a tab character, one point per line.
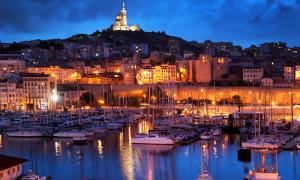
120	23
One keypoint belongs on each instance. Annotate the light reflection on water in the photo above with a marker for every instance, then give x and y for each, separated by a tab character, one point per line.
100	147
0	141
113	157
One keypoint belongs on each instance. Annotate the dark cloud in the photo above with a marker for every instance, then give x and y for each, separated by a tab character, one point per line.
245	22
31	16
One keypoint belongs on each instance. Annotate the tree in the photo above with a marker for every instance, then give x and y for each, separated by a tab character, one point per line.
236	99
88	99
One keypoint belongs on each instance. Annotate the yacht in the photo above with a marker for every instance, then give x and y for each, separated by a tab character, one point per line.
216	132
298	146
25	134
261	143
152	139
206	136
96	130
69	134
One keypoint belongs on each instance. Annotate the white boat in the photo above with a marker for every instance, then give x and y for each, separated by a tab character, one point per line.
87	133
32	176
298	146
206	136
262	174
204	176
69	134
152	139
216	132
96	130
25	134
113	126
261	143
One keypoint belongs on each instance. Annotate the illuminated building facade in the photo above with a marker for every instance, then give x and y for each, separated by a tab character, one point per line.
289	74
164	73
10	95
120	23
145	76
62	75
39	91
267	82
297	75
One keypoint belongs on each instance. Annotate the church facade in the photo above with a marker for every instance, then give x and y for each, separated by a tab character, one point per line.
120	23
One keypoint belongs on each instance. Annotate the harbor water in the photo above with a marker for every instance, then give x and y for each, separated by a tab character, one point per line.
111	156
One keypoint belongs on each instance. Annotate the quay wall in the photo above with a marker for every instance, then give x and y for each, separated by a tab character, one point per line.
249	95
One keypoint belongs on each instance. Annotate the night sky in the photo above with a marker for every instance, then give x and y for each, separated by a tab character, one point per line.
243	22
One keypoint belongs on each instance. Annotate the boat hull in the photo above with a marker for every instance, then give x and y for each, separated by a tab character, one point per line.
25	134
152	141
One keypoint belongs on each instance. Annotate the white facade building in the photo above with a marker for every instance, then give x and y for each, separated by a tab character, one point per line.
253	74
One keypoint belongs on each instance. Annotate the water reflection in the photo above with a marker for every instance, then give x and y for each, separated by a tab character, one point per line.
0	141
58	150
100	147
144	126
113	157
126	154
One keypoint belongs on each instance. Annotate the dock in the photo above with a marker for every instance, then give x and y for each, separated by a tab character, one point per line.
291	145
189	140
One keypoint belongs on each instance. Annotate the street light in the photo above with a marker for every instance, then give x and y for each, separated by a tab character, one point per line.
54	97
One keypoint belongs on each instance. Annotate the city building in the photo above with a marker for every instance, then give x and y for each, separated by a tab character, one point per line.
96	69
253	74
289	74
220	67
61	75
272	49
11	95
39	91
129	71
11	66
267	82
10	167
35	56
141	48
182	69
120	23
297	75
163	73
145	75
200	70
